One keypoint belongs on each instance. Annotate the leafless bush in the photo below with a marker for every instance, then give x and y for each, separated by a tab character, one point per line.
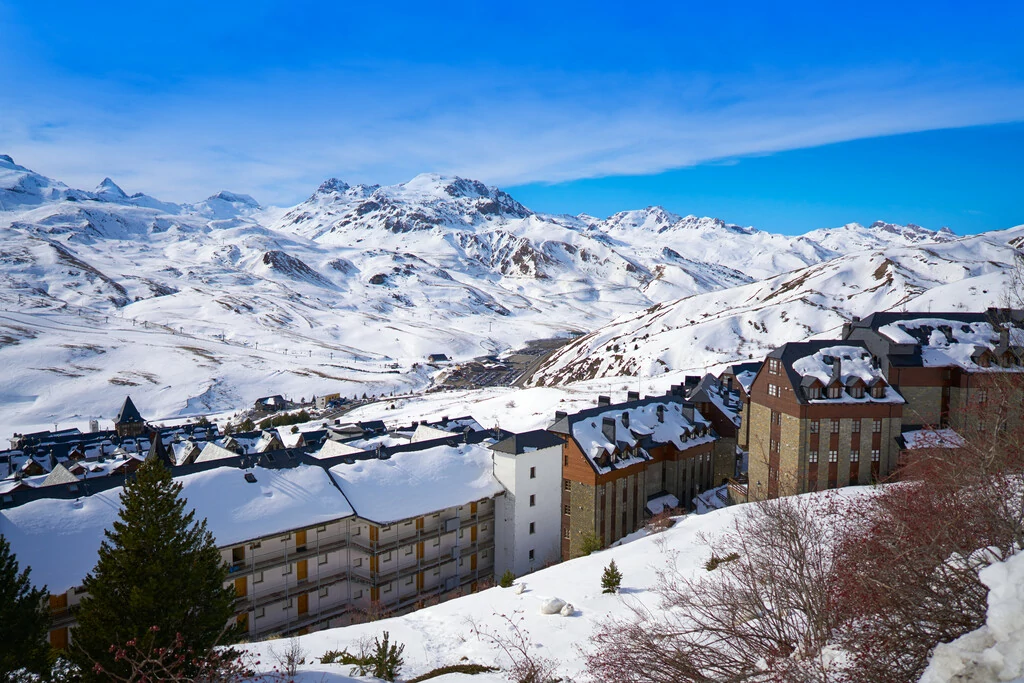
141	660
526	666
290	658
762	616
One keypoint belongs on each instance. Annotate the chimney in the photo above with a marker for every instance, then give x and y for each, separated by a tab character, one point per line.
692	381
1004	337
560	414
728	382
661	412
625	420
608	429
837	369
633	396
603	401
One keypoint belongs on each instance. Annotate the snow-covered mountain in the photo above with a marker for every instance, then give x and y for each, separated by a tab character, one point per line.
206	306
734	325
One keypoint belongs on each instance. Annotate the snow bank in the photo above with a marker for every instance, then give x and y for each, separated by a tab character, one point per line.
995	652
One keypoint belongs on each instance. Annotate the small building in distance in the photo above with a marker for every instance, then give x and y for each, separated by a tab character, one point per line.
270	404
438	358
128	421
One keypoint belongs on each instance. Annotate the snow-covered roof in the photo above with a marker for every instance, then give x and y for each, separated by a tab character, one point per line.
931	438
946	342
677	428
658	504
413	483
60	538
847	364
212	451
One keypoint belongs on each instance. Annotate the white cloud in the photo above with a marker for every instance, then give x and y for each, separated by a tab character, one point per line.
278	138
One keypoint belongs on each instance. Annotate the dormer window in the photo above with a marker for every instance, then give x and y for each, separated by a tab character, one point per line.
835	391
857	391
878	391
814	392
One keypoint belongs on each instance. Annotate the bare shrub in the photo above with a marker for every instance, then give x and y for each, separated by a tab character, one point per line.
526	666
764	615
290	658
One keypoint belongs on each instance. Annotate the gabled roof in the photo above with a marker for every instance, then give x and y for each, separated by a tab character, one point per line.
128	414
157	451
59	475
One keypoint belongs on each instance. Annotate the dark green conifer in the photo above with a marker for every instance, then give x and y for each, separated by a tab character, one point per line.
24	619
611	578
157	567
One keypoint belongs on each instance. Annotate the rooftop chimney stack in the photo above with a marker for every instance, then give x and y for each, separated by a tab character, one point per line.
603	401
608	428
661	412
633	396
560	414
625	420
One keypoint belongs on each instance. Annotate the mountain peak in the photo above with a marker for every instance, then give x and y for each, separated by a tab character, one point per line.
234	198
6	159
108	186
332	185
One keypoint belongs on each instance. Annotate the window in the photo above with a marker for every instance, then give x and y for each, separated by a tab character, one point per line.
386	529
876	455
773	446
436	542
533	500
358	562
814	392
257	577
533	473
386	557
833	456
408	581
878	391
835	392
855	425
261	612
387	589
774	366
812	457
876	426
358	594
323	592
533	527
854	456
408	523
323	559
565	532
287	570
359	531
857	392
566	484
531	554
408	550
773	390
776	417
815	425
835	426
565	460
980	395
286	537
566	509
322	528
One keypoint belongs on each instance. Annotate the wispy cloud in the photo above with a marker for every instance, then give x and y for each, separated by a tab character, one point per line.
277	137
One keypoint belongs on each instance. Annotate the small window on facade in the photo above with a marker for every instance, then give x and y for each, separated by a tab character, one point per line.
566	509
533	527
565	532
387	589
286	570
876	455
876	426
408	581
533	500
533	473
835	426
833	456
566	484
323	559
408	550
855	425
261	612
436	542
854	456
257	577
812	456
565	460
773	390
835	392
814	426
386	557
323	592
322	528
531	554
358	594
358	562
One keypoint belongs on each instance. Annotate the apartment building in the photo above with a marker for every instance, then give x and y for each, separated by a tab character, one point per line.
822	415
723	406
529	466
311	542
943	362
623	462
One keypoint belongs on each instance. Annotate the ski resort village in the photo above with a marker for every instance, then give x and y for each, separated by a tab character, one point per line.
422	432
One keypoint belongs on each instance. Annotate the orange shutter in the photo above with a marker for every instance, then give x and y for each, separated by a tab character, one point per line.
419	523
304	603
374	534
472	508
472	534
300	538
58	603
241	587
472	562
301	570
59	638
419	550
374	563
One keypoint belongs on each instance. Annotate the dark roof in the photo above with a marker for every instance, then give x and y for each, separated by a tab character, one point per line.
518	443
737	368
373	426
158	451
564	425
128	414
793	351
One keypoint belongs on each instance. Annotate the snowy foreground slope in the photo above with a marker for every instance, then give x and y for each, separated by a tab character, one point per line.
204	307
444	634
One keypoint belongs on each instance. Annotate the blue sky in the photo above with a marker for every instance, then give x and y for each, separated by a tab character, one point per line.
788	118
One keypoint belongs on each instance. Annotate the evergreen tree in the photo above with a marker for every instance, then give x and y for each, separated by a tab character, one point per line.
156	568
24	620
611	578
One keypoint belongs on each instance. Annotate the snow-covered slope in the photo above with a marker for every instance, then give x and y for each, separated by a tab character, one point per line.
207	306
742	323
445	634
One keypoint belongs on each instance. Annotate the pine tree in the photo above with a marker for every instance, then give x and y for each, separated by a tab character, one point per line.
24	621
156	568
611	578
